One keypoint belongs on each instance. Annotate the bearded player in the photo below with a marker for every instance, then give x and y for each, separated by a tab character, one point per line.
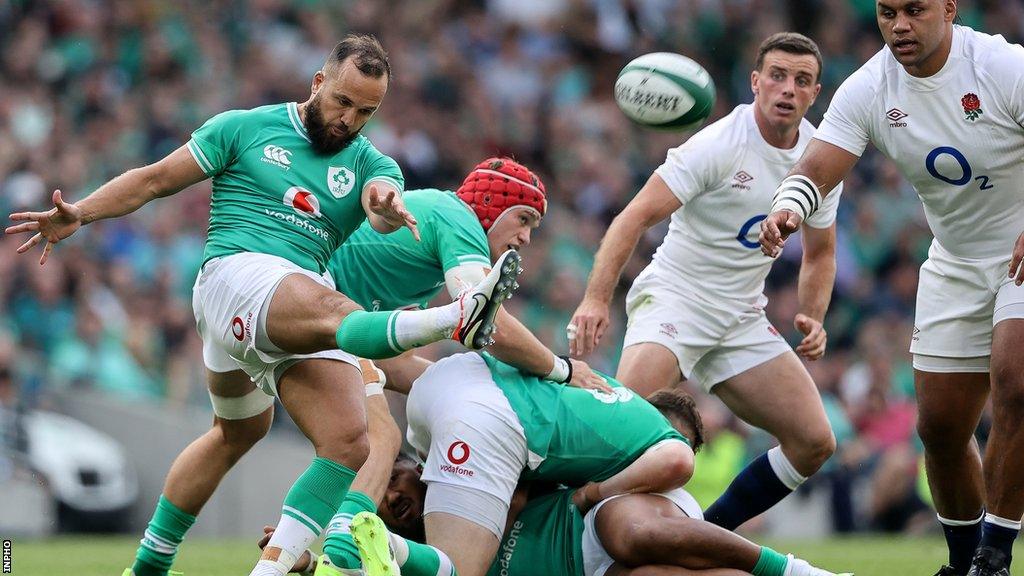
290	183
946	104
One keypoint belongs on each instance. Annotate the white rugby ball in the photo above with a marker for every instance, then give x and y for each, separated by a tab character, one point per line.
665	90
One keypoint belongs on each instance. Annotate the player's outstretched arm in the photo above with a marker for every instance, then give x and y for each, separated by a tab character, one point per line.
820	169
386	210
817	276
122	195
652	204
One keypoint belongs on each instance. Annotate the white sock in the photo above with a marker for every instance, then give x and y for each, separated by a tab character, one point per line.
414	328
1002	522
784	469
291	539
400	547
949	522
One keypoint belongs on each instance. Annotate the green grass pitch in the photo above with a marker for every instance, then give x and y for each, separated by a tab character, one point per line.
109	556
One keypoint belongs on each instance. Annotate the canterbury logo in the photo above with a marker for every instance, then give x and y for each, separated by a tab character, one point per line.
277	154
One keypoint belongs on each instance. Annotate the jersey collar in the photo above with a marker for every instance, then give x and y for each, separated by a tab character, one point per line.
293	115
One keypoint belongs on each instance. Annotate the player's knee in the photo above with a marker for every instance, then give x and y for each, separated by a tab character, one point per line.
631	544
822	446
812	449
938	437
241	435
335	307
1007	389
348	445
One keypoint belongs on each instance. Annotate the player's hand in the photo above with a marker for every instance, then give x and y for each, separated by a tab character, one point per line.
586	497
775	229
392	209
584	377
52	226
587	326
301	563
1016	270
812	347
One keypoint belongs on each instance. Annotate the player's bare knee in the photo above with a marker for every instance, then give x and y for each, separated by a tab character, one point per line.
349	447
241	435
334	307
821	447
629	544
938	440
1007	389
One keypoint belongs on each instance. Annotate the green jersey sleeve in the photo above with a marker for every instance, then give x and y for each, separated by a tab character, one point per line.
216	144
460	239
378	166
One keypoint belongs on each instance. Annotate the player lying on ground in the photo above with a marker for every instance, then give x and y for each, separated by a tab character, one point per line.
635	535
946	104
697	310
290	183
495	209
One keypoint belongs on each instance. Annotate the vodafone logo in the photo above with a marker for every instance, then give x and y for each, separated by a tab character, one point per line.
458	452
302	201
238	329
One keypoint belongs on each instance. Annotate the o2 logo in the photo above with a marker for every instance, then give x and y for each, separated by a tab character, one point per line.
965	175
748	226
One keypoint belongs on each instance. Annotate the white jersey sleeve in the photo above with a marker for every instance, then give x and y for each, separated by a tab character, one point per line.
1008	62
694	166
846	123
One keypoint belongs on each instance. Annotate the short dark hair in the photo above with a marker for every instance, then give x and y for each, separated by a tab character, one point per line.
674	403
789	42
369	56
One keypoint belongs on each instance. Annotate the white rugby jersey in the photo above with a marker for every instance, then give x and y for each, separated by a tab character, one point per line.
726	176
957	136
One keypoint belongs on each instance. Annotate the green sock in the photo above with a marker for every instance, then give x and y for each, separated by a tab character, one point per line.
318	493
163	536
369	335
770	563
339	546
421	559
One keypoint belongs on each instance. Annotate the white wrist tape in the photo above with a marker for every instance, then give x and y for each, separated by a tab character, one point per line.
374	389
560	372
797	194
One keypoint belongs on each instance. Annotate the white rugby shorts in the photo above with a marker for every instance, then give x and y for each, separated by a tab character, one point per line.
475	446
596	560
712	340
230	300
959	301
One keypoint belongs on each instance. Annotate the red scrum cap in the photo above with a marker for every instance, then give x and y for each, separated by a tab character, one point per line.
497	185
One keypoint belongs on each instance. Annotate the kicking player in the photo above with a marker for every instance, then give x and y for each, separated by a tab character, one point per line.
646	534
946	104
697	310
290	183
495	209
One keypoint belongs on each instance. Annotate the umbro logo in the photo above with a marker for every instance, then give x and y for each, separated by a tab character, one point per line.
895	115
740	180
277	156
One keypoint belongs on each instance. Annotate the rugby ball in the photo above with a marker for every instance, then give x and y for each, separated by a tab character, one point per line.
666	91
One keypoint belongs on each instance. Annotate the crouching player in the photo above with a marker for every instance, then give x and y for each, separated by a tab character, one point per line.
634	534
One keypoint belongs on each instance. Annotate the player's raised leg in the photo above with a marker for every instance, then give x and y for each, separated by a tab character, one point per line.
326	400
242	416
779	397
949	406
1004	455
306	317
648	366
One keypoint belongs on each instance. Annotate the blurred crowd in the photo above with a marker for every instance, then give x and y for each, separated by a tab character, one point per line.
92	88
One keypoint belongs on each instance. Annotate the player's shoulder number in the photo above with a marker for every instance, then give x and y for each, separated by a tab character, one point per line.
950	176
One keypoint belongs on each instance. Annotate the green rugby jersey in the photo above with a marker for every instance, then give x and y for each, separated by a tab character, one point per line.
574	435
394	271
273	194
546	538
